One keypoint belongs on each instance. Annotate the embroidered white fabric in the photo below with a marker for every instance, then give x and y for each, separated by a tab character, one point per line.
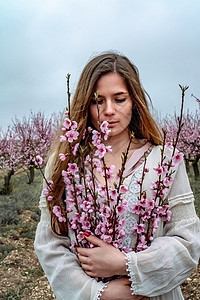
131	197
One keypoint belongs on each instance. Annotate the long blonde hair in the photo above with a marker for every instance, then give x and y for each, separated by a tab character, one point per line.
142	123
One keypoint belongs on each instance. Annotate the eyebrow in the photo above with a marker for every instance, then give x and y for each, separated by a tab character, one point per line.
116	94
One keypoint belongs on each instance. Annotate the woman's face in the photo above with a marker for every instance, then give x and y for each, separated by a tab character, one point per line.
115	104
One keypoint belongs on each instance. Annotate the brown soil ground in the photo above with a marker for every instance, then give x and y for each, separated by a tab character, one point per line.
21	276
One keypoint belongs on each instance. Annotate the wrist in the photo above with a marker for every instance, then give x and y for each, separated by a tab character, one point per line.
104	293
122	264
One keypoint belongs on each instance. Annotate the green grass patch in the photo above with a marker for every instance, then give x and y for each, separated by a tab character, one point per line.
23	197
195	185
5	249
34	273
13	294
28	231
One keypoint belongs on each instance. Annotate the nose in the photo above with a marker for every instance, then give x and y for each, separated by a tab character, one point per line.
109	108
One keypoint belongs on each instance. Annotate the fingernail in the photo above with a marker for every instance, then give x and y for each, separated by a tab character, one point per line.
87	234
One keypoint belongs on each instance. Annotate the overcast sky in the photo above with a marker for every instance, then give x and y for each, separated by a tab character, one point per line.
42	41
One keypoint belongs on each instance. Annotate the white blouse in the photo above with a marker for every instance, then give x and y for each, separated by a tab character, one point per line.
156	272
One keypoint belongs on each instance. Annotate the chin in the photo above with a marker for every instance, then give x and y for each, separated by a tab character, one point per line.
114	133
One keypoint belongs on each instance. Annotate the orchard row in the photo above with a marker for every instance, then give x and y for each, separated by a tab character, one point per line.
22	141
189	140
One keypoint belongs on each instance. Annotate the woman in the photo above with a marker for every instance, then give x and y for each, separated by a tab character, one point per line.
156	272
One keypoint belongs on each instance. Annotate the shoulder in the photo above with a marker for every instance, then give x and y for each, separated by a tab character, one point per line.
155	156
167	159
167	153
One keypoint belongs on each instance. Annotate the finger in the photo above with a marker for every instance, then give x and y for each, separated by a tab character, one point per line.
83	259
93	239
91	274
88	270
83	251
86	267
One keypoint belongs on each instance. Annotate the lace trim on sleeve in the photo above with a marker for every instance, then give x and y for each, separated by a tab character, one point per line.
128	263
101	290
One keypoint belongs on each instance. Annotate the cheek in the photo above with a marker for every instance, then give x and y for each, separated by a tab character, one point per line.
129	113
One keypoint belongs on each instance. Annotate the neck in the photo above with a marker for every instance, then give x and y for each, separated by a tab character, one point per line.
119	144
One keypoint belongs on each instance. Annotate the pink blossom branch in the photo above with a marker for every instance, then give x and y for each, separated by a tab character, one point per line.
50	188
94	191
124	159
140	197
68	94
103	160
180	125
197	99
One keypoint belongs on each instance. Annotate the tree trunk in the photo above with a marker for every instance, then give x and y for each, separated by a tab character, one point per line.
31	175
7	188
196	168
187	165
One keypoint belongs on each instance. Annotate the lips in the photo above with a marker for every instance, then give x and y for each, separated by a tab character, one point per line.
112	123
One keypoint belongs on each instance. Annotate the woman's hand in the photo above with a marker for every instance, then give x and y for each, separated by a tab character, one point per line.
104	260
119	289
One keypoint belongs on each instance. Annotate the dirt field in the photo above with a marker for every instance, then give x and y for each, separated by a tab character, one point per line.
21	276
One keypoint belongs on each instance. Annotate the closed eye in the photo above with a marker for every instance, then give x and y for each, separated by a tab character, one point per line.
120	100
95	101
